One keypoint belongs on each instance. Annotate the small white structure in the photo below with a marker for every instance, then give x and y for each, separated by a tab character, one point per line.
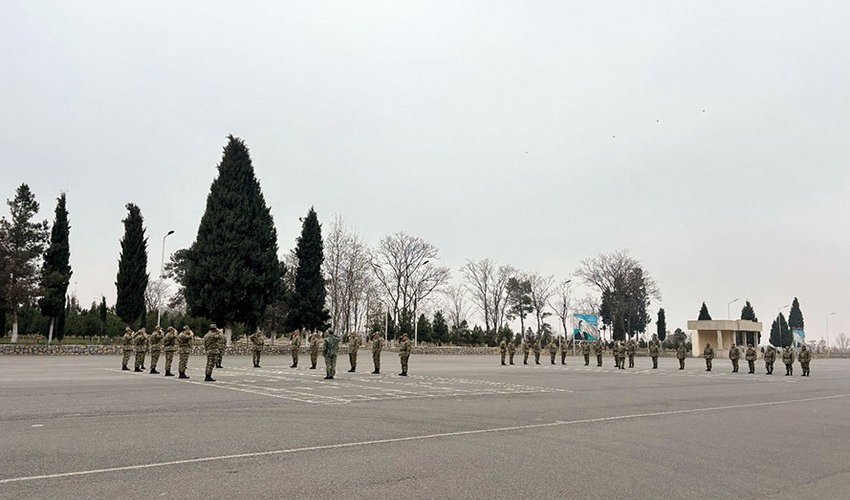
722	334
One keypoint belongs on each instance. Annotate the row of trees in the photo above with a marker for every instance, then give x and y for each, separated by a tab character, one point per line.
781	330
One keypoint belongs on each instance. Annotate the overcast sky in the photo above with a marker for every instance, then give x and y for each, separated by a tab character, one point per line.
710	139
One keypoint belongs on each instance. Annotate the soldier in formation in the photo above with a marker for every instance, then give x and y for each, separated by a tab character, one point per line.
184	349
769	359
585	351
503	349
535	348
222	345
314	339
404	350
631	348
212	346
377	346
598	349
169	345
526	349
788	359
330	351
805	358
140	343
295	347
680	355
553	350
708	354
258	340
654	351
511	352
353	347
619	352
734	355
751	356
155	342
127	347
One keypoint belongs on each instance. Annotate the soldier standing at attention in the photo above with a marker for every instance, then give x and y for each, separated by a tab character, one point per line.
211	347
503	349
769	359
258	340
377	345
680	354
222	344
329	352
734	354
511	352
526	349
621	353
156	348
708	354
127	347
315	339
654	350
169	344
404	350
751	356
564	347
353	347
184	343
140	342
788	359
631	348
295	347
553	350
598	349
805	358
585	351
535	348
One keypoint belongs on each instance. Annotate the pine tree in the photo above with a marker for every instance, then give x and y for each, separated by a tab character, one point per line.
132	279
307	301
703	313
424	331
780	334
518	292
56	268
661	325
748	313
22	241
103	312
231	273
440	327
795	316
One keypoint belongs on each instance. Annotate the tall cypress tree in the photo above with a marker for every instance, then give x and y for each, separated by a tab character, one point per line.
661	325
703	313
56	268
780	334
132	279
795	316
231	273
748	313
307	302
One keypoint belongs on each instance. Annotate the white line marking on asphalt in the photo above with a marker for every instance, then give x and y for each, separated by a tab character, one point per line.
37	425
557	423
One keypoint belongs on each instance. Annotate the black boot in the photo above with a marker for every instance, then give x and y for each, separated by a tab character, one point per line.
328	377
168	373
403	374
209	378
313	367
124	367
183	375
138	370
376	372
154	372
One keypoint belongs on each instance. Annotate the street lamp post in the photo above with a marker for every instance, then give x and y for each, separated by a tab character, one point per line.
161	270
779	323
828	347
728	308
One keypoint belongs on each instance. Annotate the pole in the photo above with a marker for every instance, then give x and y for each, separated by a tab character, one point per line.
161	270
729	306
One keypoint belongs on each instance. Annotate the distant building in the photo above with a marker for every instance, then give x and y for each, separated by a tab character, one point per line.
722	334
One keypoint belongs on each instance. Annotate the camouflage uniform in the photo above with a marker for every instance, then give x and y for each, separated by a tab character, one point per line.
598	349
526	349
156	348
212	344
404	350
353	346
805	358
535	348
621	355
295	348
330	352
553	350
654	351
258	340
734	355
680	355
222	345
127	347
769	359
315	339
169	344
503	350
511	352
788	359
564	346
585	351
631	348
140	342
377	345
708	354
751	356
184	349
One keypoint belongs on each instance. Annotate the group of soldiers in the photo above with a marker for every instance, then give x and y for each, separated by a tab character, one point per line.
140	342
627	349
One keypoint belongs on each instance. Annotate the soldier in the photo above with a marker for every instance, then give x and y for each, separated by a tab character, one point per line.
295	348
353	347
140	343
553	350
377	346
511	352
564	348
788	359
631	348
503	349
535	348
621	353
330	351
222	345
585	351
708	354
169	344
212	344
751	356
404	350
680	354
315	339
184	349
155	341
127	347
654	350
734	355
258	340
598	349
805	358
769	359
526	349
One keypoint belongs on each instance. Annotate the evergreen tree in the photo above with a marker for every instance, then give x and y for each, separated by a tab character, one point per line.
423	329
56	268
103	313
795	316
22	241
520	305
307	302
661	325
231	273
780	334
748	313
132	279
441	328
703	313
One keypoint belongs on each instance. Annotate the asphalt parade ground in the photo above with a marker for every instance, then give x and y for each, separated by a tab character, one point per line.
457	427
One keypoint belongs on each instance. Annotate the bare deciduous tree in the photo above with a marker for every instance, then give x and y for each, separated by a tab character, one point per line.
561	303
456	304
541	292
842	341
348	275
488	287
